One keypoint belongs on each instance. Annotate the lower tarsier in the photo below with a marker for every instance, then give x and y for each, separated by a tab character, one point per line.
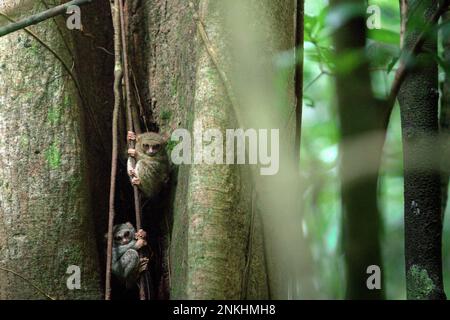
126	263
150	175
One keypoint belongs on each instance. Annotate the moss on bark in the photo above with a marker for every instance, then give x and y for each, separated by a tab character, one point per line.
418	98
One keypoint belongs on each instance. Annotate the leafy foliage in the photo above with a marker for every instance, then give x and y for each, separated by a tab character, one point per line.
320	137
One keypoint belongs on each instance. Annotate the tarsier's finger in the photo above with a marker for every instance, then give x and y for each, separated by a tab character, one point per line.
132	152
141	233
131	135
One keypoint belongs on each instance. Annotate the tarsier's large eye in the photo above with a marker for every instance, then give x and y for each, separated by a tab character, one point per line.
145	146
126	234
156	147
117	238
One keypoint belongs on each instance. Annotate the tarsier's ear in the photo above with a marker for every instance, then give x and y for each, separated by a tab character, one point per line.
129	225
167	134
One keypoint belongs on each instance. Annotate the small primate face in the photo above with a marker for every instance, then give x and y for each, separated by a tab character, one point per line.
124	234
150	143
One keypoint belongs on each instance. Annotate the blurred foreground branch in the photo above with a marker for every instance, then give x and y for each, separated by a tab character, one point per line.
39	17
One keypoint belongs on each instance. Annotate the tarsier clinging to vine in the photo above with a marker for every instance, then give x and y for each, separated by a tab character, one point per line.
126	264
152	163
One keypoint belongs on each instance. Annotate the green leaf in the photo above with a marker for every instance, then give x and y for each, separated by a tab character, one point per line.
385	36
309	102
392	64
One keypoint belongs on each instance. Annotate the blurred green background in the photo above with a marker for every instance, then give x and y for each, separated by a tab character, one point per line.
319	153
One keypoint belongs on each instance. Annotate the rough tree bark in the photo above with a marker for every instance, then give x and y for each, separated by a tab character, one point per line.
207	245
46	220
418	98
360	161
206	242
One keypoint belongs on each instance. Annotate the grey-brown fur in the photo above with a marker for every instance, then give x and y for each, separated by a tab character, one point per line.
152	164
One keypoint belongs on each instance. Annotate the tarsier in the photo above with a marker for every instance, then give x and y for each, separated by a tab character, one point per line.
126	264
152	164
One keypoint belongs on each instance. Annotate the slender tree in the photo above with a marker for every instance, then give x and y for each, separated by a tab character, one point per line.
444	119
359	160
299	39
306	268
418	98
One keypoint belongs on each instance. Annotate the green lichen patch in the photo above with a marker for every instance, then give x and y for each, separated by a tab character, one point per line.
68	101
76	187
53	156
54	115
420	285
166	115
211	74
174	87
23	141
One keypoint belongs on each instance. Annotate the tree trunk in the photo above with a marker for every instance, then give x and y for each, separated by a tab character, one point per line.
418	98
218	202
306	268
360	158
299	53
209	240
444	119
46	223
215	207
